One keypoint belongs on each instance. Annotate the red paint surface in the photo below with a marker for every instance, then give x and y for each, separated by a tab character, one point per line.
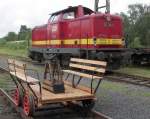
83	26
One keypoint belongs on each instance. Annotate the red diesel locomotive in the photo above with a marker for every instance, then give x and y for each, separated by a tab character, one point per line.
79	31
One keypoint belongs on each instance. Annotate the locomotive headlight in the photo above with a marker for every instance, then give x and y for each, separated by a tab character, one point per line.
94	41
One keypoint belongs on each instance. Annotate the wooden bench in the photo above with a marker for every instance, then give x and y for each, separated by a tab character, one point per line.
84	68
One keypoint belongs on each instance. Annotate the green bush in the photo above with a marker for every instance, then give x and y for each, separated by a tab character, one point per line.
17	45
2	42
135	43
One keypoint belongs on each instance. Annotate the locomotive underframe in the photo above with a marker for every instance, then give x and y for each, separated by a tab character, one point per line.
114	56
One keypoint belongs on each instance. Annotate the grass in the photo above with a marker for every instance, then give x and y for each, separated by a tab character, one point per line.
113	86
13	48
13	52
137	71
123	89
4	78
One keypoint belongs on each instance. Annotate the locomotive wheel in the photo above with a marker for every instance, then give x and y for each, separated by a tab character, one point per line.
28	104
18	95
88	104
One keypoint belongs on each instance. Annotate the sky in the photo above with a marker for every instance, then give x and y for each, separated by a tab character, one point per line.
14	13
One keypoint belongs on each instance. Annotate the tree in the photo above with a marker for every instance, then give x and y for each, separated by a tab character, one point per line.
135	11
24	33
142	29
135	43
137	25
148	39
11	36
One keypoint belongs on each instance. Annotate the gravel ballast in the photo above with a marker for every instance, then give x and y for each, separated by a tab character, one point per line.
126	102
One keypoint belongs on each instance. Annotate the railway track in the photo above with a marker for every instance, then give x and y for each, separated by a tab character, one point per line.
73	111
113	76
132	79
119	77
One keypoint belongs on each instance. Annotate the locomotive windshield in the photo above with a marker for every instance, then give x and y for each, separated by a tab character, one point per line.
87	11
69	15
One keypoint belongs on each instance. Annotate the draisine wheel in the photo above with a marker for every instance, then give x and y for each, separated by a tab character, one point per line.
18	95
28	104
88	104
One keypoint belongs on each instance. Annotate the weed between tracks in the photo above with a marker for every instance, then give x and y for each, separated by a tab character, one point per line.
123	89
4	80
137	71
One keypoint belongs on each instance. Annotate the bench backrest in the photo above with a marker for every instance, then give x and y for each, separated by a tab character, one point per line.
88	65
17	67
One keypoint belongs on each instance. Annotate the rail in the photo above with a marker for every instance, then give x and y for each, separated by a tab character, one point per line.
8	98
132	79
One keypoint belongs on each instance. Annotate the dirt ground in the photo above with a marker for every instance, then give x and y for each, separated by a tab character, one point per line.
6	112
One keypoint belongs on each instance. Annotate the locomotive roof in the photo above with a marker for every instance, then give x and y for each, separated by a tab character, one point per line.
40	26
70	8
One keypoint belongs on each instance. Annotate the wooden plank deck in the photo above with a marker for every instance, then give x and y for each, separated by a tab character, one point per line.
27	79
71	94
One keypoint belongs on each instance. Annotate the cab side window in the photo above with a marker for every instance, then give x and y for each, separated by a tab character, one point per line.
54	18
69	15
